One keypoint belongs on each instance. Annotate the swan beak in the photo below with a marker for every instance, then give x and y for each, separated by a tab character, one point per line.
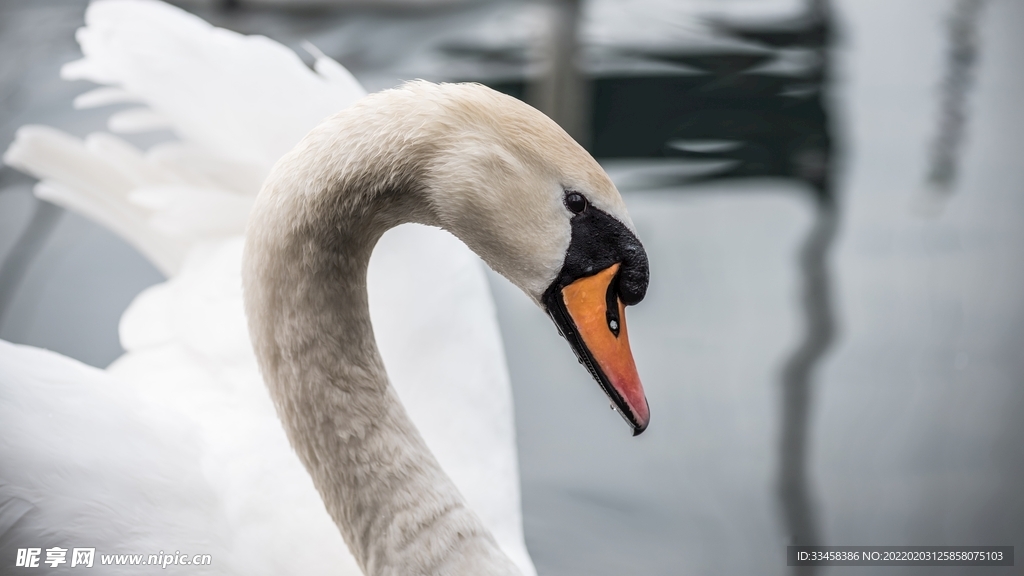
596	330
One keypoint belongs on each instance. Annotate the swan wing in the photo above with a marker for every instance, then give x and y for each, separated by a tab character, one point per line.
246	97
234	103
77	445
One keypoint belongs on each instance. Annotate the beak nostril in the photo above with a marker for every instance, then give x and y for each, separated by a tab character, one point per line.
611	298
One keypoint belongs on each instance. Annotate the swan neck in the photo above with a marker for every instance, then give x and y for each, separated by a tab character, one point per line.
311	234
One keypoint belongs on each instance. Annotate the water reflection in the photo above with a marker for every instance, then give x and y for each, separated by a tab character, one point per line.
961	56
806	153
744	118
760	111
561	90
752	112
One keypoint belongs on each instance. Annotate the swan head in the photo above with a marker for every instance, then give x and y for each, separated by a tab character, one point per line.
499	175
541	211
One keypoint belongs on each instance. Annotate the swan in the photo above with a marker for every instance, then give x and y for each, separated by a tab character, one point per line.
523	195
501	177
235	104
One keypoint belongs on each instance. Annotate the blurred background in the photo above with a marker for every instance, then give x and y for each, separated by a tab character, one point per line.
831	194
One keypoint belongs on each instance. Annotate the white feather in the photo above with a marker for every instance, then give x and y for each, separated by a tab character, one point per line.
137	120
103	97
79	446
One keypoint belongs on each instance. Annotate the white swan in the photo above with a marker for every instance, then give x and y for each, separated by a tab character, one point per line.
521	193
237	103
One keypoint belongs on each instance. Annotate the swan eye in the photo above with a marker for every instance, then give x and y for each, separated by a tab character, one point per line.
575	202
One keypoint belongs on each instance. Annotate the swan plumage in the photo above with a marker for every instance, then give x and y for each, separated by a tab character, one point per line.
235	104
73	451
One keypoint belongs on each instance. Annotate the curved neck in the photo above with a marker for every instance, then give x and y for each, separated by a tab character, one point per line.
307	251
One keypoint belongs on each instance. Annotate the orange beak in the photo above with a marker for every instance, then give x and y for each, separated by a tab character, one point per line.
598	336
